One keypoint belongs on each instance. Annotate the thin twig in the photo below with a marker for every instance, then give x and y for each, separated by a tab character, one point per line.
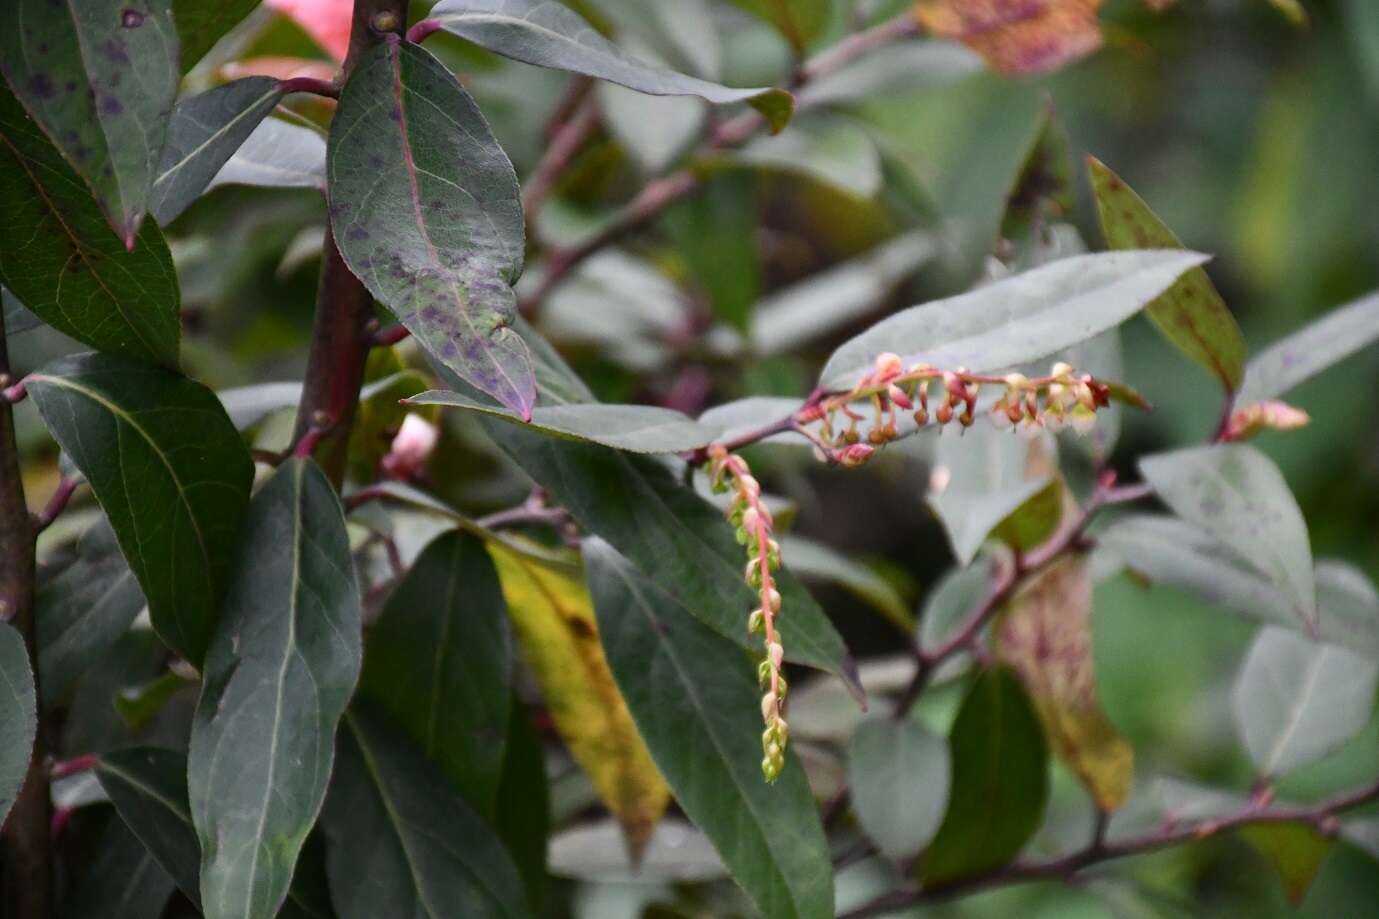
1322	817
565	143
313	85
56	504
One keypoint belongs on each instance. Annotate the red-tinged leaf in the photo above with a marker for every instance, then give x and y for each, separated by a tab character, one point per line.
424	208
1190	314
1018	36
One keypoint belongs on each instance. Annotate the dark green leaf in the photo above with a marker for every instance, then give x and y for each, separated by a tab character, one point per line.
1296	700
137	704
551	35
59	258
1235	493
800	21
170	471
666	529
83	610
635	428
18	716
425	210
523	814
1000	781
203	134
709	230
148	787
1310	350
18	319
280	669
277	154
200	24
402	842
899	775
1190	314
126	882
440	663
813	560
697	707
100	78
1019	319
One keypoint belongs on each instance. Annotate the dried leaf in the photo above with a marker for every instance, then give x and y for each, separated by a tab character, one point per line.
1045	635
553	618
1017	36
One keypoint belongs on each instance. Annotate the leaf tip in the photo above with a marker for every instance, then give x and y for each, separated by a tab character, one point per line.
777	106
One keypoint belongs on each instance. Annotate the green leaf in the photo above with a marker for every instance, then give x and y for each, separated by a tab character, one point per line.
281	667
551	35
84	610
989	483
800	21
837	296
203	134
148	787
1000	782
653	129
18	716
424	207
1236	494
1170	551
1190	314
708	230
439	663
170	472
809	559
952	599
697	707
1019	319
100	78
522	815
1045	634
635	503
899	68
277	154
554	621
59	259
899	774
137	704
125	882
1310	350
18	319
402	842
248	405
636	428
833	151
200	25
1296	700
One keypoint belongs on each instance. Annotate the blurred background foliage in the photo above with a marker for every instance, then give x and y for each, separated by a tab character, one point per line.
1253	138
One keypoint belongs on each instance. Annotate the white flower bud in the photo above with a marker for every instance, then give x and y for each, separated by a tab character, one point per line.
775	653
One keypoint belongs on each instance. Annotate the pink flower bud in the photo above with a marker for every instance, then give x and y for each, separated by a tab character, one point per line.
1259	416
899	397
775	653
888	365
855	455
411	447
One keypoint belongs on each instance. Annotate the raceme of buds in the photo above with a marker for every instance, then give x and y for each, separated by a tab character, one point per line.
1063	398
729	473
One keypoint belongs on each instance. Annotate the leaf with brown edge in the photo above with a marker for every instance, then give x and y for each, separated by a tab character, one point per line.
553	619
1190	314
1017	37
425	211
1045	635
100	77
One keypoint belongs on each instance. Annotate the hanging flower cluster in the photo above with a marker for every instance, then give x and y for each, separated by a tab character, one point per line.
749	515
1061	398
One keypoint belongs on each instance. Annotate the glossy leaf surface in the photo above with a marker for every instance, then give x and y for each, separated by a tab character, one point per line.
425	210
58	256
170	471
281	667
697	707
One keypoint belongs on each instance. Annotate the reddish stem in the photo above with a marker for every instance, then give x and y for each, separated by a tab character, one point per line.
313	85
77	764
422	30
56	504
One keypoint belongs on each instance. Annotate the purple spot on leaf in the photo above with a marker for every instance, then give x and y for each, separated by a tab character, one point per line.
131	19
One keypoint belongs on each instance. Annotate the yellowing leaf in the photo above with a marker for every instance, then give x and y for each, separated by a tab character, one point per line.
1017	36
554	621
1045	635
1295	849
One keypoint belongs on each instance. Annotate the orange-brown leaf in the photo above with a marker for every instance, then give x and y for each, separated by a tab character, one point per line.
1017	36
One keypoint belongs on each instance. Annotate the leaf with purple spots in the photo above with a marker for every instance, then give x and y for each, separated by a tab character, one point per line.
424	208
99	77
